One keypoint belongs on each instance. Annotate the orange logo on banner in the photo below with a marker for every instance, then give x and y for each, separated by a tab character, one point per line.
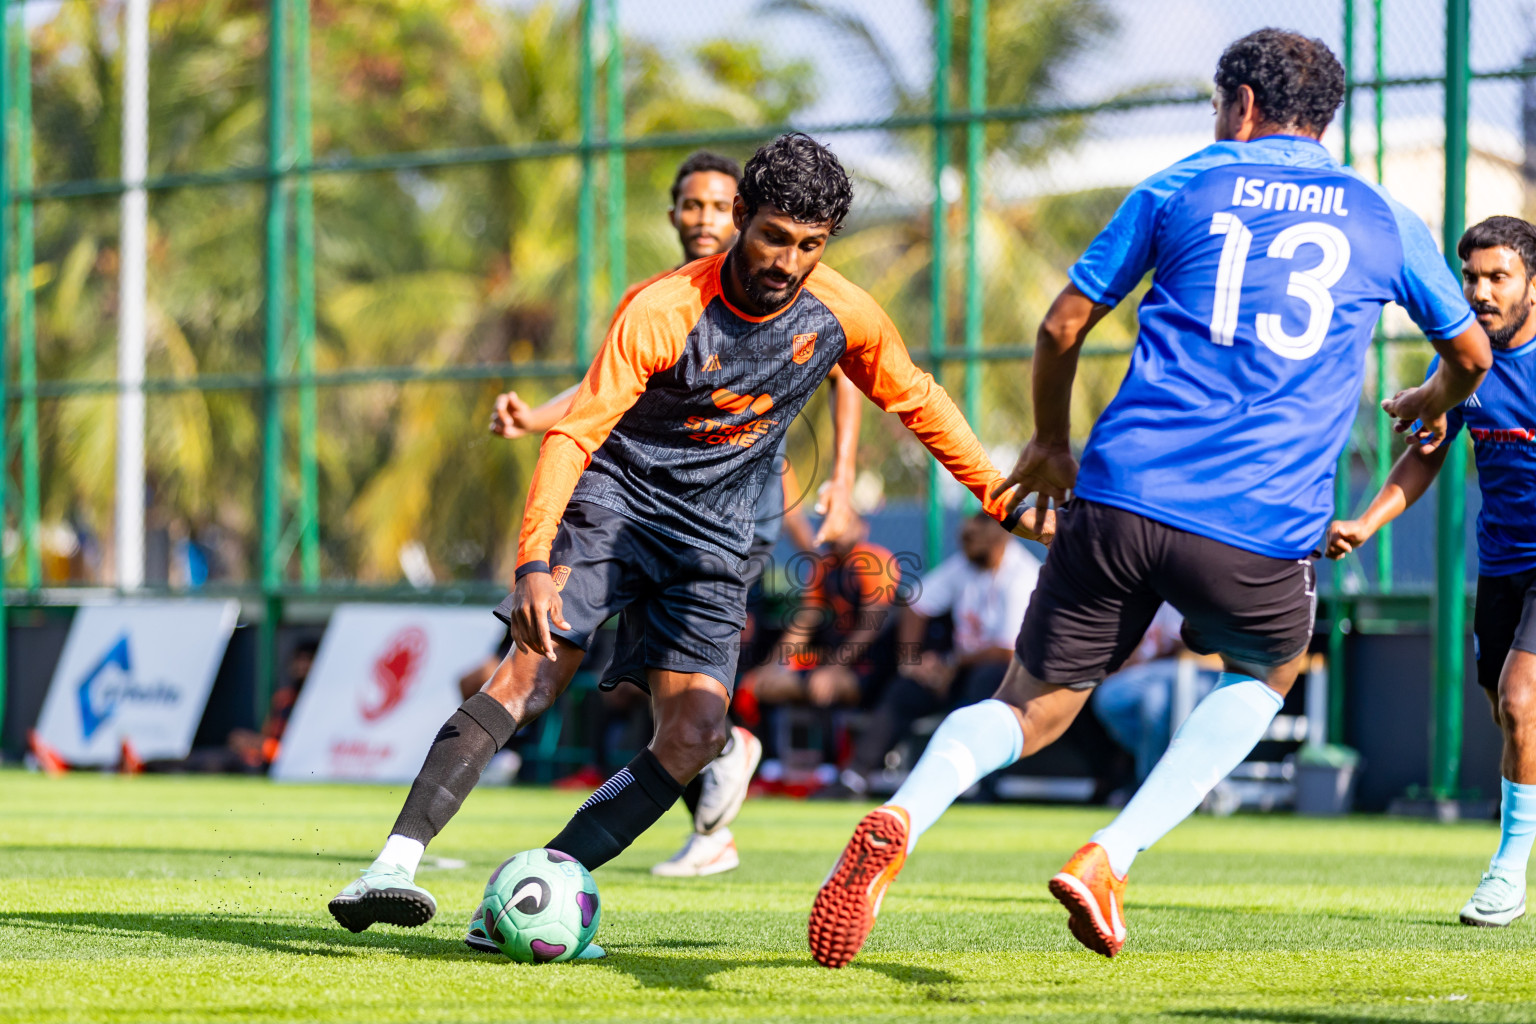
560	574
732	402
713	362
805	344
395	671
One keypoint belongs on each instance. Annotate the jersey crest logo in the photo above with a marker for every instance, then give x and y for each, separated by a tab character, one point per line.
804	345
730	401
712	363
560	574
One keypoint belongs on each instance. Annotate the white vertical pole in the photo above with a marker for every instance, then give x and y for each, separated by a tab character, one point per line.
130	302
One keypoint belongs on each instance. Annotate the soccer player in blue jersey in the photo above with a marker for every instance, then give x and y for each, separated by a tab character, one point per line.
1498	270
1206	483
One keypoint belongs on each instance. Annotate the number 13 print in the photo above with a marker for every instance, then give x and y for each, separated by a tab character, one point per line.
1311	285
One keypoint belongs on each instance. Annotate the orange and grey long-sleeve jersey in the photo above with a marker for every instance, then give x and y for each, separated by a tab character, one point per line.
677	420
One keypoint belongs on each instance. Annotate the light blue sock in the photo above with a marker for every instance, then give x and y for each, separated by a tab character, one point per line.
1213	740
972	742
1517	829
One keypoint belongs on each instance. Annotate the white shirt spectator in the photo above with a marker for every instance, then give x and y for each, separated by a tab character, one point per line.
987	605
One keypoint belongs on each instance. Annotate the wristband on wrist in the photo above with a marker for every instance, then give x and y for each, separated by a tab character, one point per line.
530	567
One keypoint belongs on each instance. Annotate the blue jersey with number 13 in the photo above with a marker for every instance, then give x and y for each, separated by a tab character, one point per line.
1271	263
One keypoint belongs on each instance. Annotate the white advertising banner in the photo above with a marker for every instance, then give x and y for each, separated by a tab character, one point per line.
137	671
385	679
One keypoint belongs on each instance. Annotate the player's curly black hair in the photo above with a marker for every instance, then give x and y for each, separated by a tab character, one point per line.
704	160
1296	81
1508	232
799	176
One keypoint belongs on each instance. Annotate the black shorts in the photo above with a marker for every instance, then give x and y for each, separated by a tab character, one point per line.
680	608
1108	571
1505	620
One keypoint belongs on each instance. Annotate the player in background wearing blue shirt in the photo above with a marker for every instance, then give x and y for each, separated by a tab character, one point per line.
1498	263
1207	481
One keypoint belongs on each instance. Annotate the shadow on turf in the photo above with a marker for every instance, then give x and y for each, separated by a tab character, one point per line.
98	852
253	932
1294	1016
695	973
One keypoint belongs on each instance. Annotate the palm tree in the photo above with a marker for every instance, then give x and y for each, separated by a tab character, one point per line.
469	264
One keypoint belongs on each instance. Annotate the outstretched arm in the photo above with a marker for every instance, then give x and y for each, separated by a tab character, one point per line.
1046	467
1410	478
511	417
1420	412
638	345
836	505
878	363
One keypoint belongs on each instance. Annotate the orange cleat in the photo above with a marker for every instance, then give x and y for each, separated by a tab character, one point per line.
48	759
845	908
1088	888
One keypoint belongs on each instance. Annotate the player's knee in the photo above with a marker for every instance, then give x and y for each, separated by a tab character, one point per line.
696	740
1516	707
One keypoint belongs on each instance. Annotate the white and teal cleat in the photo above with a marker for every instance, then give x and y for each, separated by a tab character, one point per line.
478	939
1497	901
382	895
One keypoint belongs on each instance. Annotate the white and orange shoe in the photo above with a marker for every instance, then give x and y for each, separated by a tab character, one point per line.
849	900
1088	888
701	855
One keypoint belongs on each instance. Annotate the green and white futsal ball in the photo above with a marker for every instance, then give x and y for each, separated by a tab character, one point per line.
540	907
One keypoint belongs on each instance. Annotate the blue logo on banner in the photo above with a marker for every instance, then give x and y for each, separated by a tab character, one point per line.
102	690
94	711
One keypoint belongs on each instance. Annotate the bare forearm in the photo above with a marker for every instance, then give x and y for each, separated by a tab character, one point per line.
1057	345
847	416
1464	360
542	417
1406	484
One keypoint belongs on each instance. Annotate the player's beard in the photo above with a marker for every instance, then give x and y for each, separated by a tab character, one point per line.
767	299
1514	322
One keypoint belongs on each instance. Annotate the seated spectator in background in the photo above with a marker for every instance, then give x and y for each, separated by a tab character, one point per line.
245	751
827	649
985	588
1135	704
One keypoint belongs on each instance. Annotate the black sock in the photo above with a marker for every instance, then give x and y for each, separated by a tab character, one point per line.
463	747
622	808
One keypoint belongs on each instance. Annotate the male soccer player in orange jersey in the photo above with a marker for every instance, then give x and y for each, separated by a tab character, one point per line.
645	494
703	192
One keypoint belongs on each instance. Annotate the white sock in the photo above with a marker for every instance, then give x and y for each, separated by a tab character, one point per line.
1213	740
971	743
402	854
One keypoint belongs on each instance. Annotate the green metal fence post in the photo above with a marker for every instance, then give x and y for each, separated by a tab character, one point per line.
975	145
275	324
937	332
618	271
5	333
26	321
586	199
1384	432
1338	605
1450	541
304	312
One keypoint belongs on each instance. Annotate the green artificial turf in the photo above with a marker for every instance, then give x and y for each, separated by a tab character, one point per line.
204	899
